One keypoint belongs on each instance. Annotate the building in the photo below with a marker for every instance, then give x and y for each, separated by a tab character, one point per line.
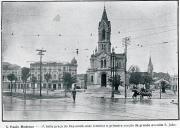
82	81
100	61
7	69
56	70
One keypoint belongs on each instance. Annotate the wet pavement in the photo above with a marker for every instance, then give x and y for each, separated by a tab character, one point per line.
88	108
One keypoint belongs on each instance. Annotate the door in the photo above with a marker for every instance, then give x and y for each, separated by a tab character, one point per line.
103	79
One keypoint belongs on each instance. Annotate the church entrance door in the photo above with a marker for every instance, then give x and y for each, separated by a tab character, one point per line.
103	79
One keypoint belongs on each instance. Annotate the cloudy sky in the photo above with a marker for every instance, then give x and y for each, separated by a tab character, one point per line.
65	26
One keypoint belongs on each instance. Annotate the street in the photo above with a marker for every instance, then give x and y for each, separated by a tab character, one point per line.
87	107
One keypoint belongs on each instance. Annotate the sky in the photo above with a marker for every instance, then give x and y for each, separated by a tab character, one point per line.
65	26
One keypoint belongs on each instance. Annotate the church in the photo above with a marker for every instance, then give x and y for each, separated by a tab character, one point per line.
100	61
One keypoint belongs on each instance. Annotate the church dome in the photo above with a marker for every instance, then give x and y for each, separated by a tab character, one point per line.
74	61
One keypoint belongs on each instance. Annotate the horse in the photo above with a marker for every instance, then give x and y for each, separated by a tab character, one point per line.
141	93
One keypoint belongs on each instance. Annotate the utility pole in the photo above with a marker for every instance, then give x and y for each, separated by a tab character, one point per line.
126	41
40	53
112	71
160	89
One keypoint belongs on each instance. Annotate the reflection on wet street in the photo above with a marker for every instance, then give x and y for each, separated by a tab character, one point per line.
88	108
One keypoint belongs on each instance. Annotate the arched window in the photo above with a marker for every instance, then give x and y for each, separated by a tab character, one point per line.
117	65
120	64
92	79
54	76
103	34
101	63
59	77
105	63
104	47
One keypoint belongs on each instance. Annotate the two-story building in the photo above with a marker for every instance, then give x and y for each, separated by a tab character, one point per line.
56	71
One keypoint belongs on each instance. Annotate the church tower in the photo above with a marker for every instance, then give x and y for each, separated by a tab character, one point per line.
104	31
150	67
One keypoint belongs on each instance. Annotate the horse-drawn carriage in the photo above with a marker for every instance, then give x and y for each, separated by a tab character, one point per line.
142	92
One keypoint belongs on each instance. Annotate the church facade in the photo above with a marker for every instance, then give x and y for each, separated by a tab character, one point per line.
100	61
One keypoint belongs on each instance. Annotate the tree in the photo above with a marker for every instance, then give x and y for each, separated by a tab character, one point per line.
134	68
11	77
135	78
163	86
25	75
68	80
147	79
33	80
47	77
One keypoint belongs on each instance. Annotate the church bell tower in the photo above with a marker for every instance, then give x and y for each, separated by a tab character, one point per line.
150	67
104	31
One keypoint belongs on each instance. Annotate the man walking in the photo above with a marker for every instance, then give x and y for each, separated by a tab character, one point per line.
74	94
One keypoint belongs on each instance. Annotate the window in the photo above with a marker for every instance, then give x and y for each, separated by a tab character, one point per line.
103	34
104	63
102	47
117	65
54	76
59	77
120	64
101	63
44	85
92	79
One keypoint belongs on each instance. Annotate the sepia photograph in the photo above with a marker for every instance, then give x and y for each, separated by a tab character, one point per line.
93	61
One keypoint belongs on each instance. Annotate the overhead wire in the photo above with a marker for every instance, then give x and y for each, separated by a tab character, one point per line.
164	26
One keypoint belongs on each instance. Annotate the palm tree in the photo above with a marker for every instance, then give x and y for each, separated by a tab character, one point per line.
11	77
25	75
47	77
33	80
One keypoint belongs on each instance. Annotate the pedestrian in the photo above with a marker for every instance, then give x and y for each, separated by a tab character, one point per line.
174	89
74	94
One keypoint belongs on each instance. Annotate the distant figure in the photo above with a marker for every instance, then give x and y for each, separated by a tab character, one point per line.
74	94
174	89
